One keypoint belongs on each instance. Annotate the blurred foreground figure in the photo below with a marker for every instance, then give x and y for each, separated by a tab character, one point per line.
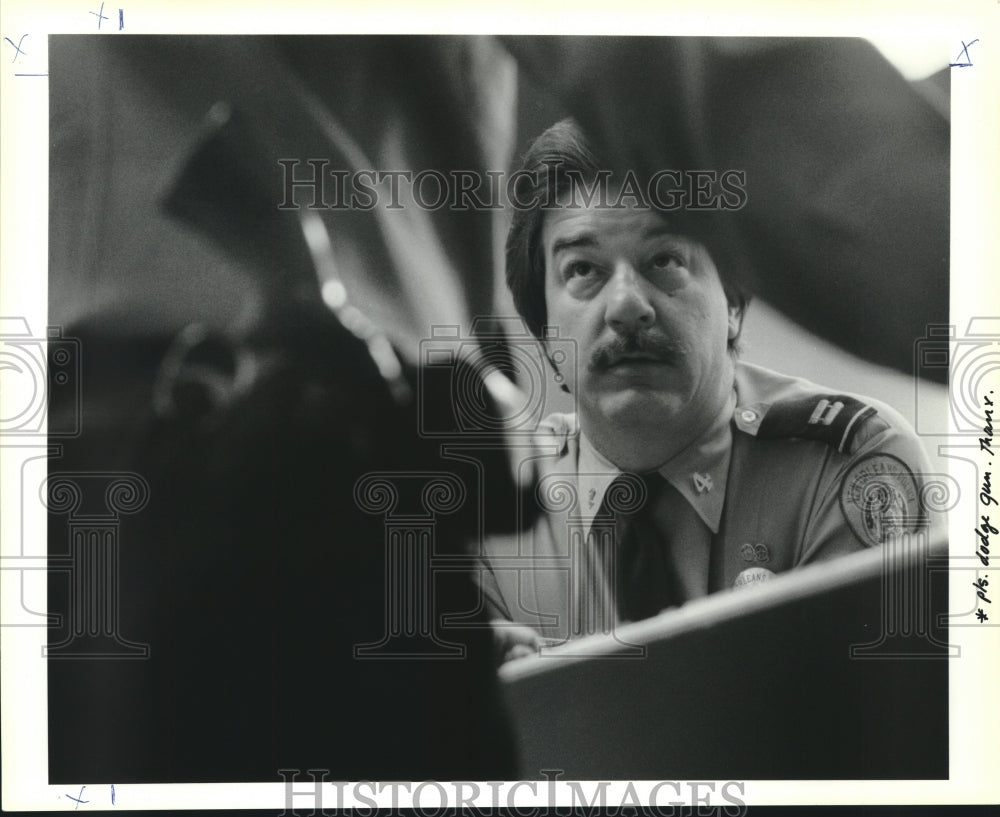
301	549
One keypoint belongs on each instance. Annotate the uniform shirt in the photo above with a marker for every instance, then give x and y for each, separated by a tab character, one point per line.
789	473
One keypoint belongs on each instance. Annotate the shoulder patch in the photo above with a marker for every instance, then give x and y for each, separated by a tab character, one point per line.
879	497
830	418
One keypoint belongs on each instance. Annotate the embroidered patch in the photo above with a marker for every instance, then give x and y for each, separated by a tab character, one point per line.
880	498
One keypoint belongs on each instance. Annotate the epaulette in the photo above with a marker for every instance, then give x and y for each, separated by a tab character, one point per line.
834	419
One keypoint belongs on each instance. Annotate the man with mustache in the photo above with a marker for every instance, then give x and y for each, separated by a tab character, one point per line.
684	471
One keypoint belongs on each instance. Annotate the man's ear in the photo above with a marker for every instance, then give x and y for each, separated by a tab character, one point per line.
735	322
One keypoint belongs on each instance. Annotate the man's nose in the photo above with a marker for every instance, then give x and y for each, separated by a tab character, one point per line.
628	307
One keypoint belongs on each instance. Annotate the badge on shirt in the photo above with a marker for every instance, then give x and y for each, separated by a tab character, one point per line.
753	576
880	498
755	552
702	482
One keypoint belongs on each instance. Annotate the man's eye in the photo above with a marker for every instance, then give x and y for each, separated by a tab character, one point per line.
580	269
665	261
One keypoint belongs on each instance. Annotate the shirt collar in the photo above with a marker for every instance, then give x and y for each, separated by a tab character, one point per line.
698	472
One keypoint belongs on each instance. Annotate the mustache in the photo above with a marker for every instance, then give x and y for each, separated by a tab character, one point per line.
653	345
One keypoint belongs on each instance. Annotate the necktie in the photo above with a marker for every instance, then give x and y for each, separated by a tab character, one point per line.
645	583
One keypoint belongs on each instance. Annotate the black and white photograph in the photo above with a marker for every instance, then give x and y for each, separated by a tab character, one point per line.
435	412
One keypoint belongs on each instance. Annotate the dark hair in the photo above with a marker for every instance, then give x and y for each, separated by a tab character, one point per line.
538	185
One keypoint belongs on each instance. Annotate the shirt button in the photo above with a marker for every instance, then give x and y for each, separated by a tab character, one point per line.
748	415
